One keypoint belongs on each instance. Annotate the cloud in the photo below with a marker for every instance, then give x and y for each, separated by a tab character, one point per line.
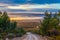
32	6
2	4
24	7
28	7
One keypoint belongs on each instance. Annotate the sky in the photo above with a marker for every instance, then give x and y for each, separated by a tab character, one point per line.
28	5
22	6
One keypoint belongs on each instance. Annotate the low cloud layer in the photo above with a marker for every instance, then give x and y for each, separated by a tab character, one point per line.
33	6
28	7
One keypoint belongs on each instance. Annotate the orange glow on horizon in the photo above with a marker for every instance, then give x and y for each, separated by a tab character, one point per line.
18	18
24	18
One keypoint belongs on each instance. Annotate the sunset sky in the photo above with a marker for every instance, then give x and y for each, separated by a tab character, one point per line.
27	6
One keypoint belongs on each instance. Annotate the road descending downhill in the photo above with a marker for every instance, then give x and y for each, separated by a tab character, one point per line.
30	36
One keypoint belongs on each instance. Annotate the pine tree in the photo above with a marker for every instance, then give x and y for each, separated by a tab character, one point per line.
58	19
6	21
59	15
4	24
0	22
45	24
49	24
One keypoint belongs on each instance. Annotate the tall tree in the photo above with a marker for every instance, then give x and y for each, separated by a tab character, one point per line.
0	22
59	15
45	24
6	21
56	20
5	24
49	23
59	19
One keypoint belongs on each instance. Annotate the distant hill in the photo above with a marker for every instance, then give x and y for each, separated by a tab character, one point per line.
28	23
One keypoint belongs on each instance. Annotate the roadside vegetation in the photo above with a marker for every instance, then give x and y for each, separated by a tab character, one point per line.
9	29
50	26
